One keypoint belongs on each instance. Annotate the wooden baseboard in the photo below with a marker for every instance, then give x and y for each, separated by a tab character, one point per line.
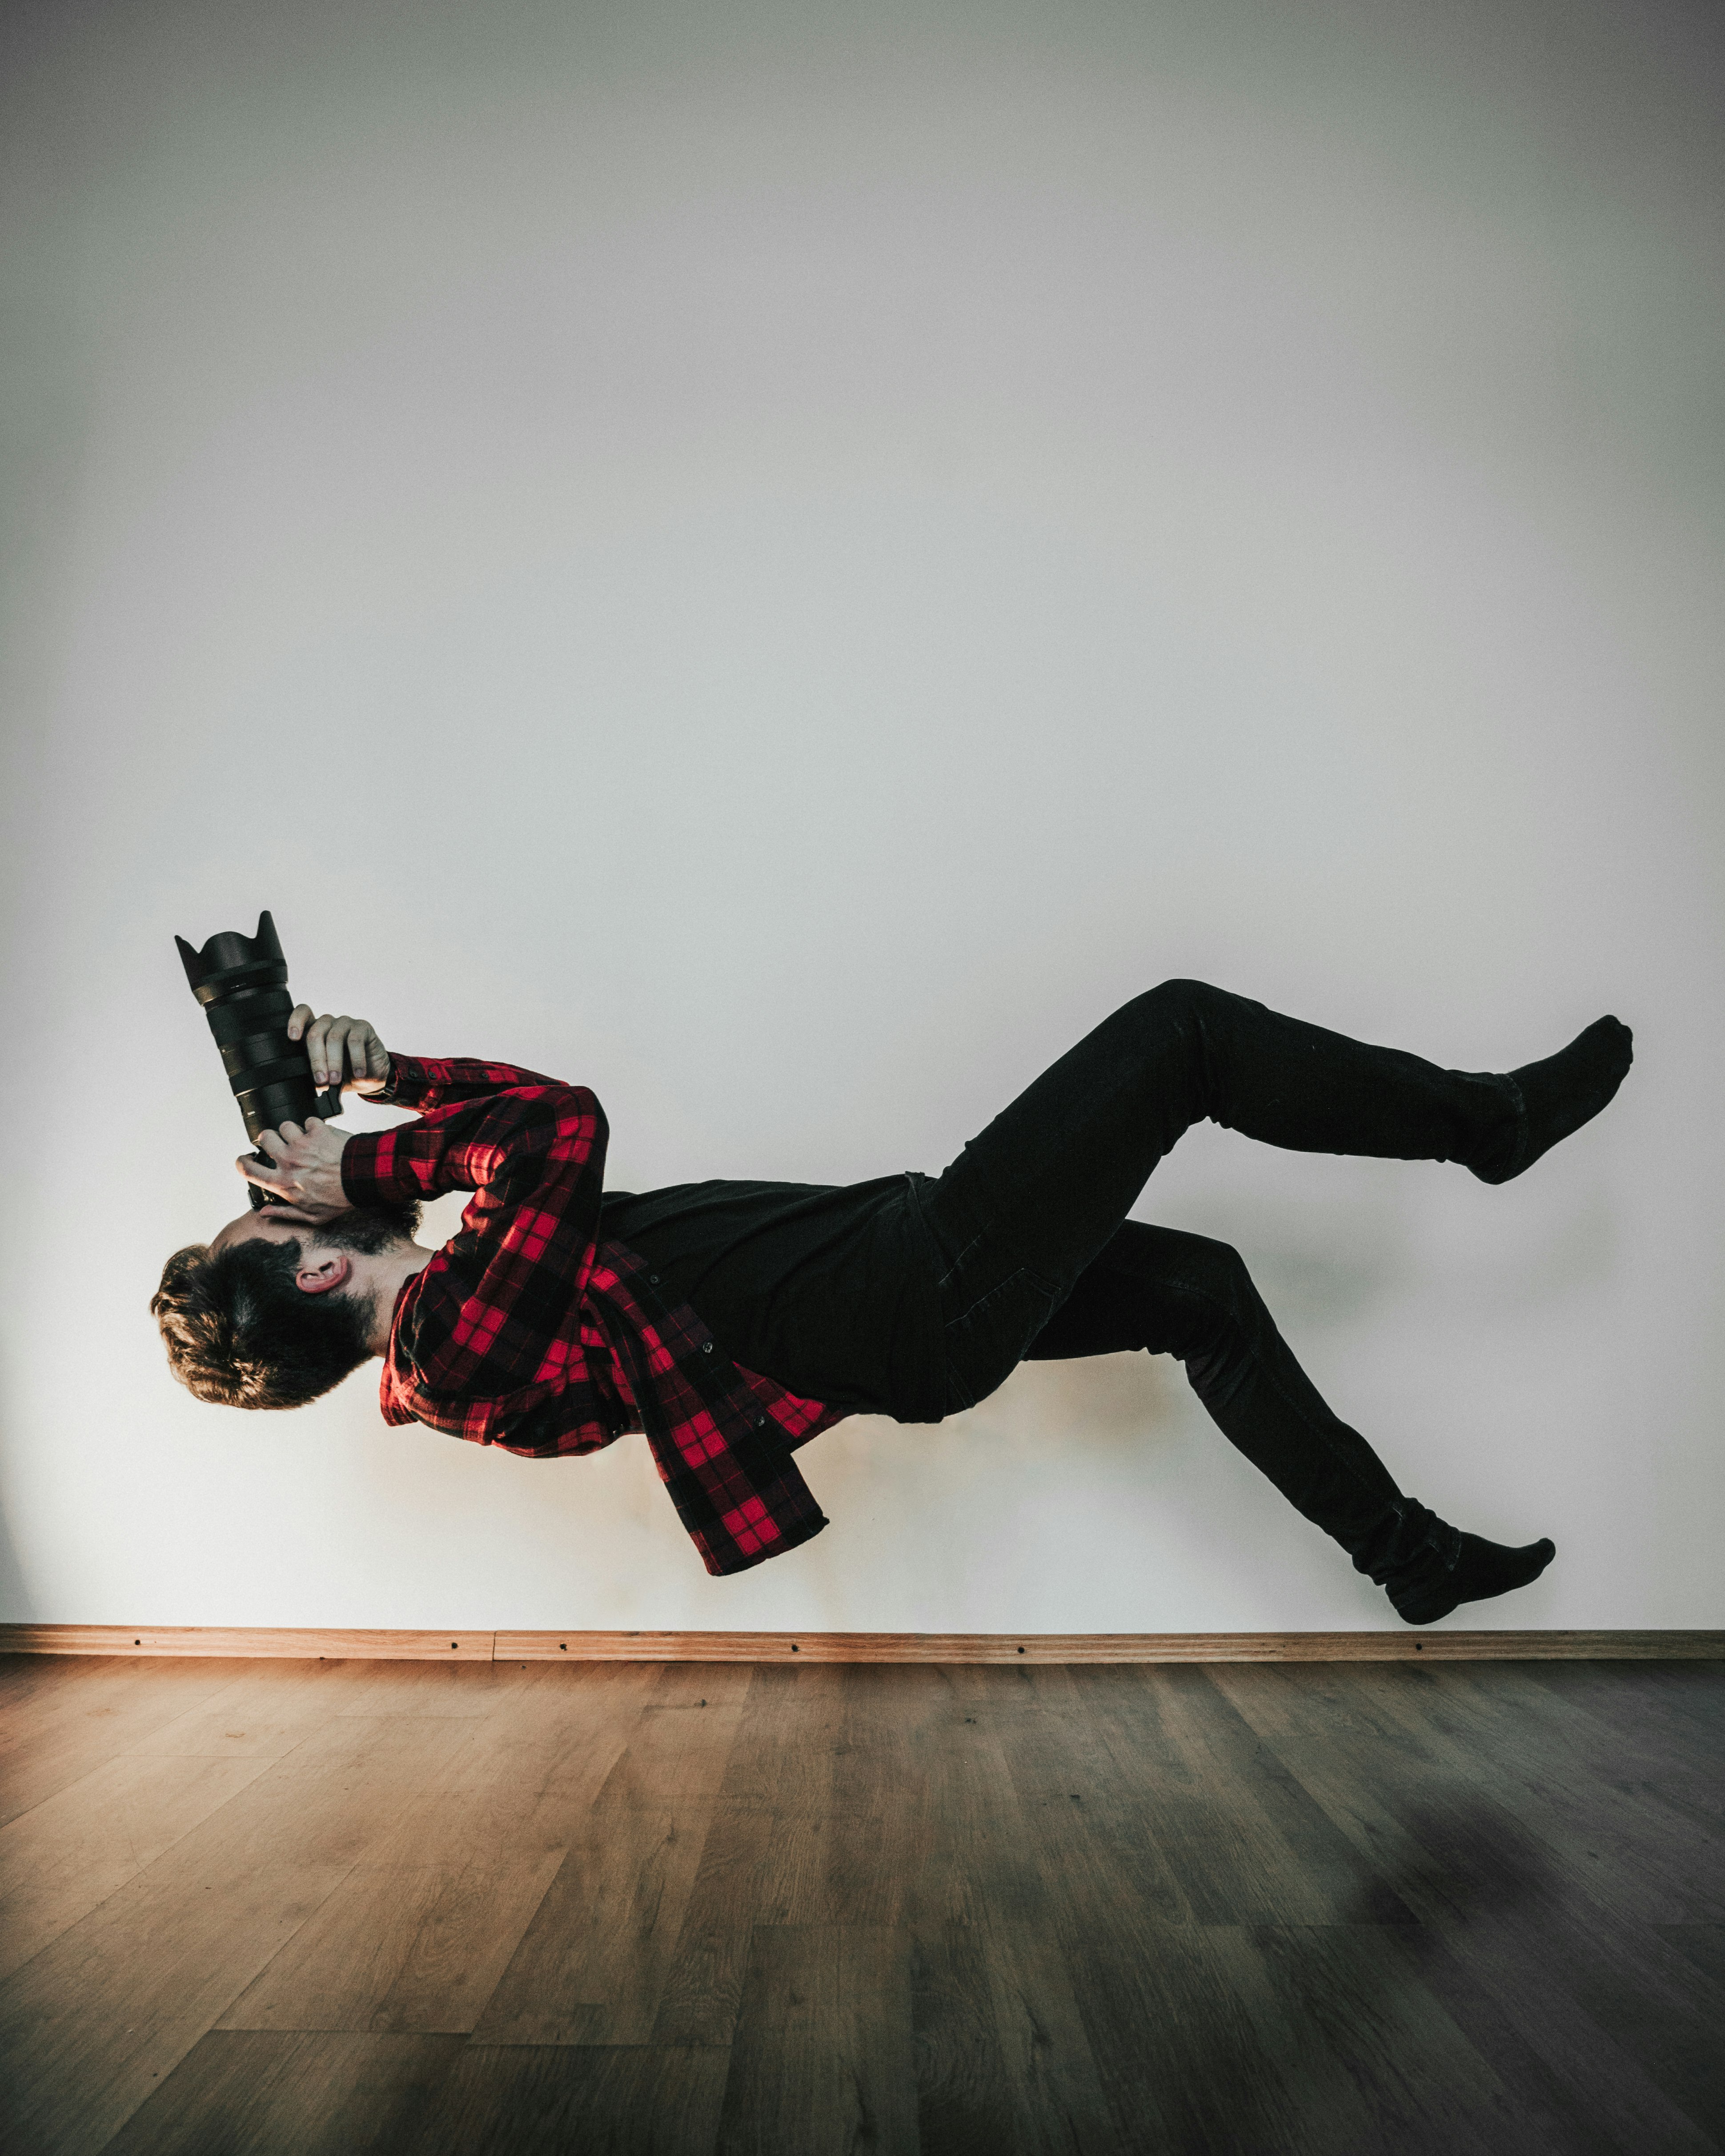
246	1642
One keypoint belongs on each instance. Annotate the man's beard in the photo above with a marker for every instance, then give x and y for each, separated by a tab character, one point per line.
370	1229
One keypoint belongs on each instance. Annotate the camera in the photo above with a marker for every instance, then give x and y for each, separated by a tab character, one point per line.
241	981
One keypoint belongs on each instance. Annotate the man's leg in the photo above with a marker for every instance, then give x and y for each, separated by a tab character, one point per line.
1055	1173
1184	1295
1035	1199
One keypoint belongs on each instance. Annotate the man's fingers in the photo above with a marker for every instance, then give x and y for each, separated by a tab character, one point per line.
271	1141
328	1038
340	1043
298	1020
267	1177
343	1049
316	1037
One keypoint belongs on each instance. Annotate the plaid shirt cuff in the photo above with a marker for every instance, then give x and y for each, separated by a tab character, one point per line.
373	1175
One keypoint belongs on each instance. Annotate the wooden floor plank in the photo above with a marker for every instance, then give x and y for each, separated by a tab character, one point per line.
1702	1944
411	1950
705	1975
560	2100
465	1942
1280	1832
823	2056
962	2101
417	1935
1658	1861
974	1856
1509	1941
593	1964
1003	2058
66	1856
112	2005
93	2021
1650	2007
1616	1858
679	1742
841	1867
1185	1784
34	1695
1511	1821
1503	1984
1353	2003
888	1719
1695	1702
1627	1705
786	1739
1079	1799
462	1691
854	1857
1094	1877
247	2093
844	1833
1195	2043
108	1707
1361	1768
268	1710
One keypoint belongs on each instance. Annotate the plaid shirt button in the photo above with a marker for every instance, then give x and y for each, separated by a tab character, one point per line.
707	1347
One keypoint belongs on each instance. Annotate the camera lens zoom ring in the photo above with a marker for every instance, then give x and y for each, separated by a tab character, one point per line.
249	1015
242	1082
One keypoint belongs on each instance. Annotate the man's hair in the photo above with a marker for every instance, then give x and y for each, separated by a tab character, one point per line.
239	1332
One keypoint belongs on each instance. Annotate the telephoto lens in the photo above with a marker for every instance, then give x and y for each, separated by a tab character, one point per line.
242	983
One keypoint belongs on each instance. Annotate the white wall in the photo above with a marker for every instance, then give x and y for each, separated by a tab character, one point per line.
783	561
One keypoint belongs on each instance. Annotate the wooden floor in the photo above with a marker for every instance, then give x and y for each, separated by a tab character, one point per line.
346	1906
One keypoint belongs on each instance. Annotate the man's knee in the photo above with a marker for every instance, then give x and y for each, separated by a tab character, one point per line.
1194	1291
1219	1318
1178	1003
1218	1272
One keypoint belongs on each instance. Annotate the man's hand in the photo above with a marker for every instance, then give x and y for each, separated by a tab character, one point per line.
325	1037
304	1169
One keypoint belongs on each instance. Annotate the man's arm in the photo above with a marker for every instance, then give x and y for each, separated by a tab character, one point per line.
426	1082
489	1314
303	1170
350	1045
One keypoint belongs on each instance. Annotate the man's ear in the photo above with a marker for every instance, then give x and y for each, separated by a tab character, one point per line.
319	1279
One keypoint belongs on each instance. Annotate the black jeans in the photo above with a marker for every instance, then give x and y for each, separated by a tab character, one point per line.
1039	1262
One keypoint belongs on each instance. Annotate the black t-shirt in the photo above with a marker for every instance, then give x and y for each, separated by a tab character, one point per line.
829	1290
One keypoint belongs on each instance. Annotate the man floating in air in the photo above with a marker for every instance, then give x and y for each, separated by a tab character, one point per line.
733	1322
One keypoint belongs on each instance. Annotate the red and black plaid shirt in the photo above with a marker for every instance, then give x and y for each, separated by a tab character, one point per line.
525	1332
